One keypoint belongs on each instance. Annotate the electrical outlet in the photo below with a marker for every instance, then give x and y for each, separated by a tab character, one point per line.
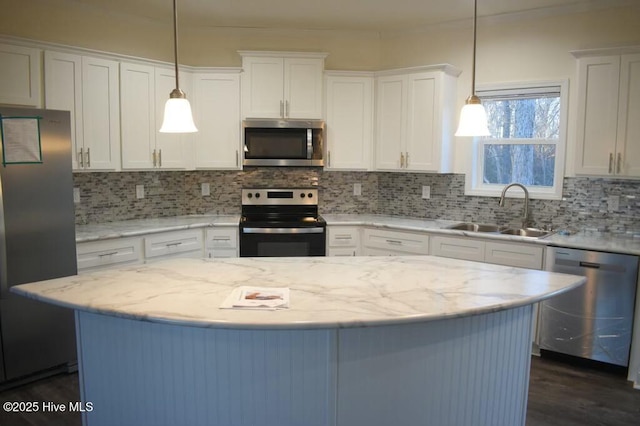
426	192
613	203
357	189
76	195
206	190
139	191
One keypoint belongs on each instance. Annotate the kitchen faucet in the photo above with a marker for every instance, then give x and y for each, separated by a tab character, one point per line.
525	216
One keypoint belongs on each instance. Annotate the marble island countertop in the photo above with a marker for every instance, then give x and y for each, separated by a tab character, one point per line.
326	292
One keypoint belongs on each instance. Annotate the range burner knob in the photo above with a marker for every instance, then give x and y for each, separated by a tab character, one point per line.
250	195
302	195
310	195
257	195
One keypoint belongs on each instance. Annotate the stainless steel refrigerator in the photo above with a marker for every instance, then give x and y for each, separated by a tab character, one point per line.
37	241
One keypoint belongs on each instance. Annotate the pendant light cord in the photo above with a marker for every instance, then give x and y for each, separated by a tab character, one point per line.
175	40
473	62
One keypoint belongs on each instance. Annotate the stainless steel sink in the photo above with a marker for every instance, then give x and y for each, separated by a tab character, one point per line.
489	228
476	227
528	232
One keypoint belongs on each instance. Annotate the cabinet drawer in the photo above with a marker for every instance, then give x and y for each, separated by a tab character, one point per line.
342	251
458	248
222	238
396	241
342	236
173	243
100	254
221	253
510	254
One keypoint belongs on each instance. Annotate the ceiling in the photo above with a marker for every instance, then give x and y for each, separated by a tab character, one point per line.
361	15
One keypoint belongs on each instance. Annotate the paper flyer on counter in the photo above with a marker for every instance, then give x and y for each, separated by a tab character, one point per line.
266	298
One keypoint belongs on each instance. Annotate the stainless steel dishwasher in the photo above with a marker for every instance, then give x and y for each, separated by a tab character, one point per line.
593	321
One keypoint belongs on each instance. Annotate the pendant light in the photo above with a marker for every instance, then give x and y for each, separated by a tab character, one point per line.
177	110
473	117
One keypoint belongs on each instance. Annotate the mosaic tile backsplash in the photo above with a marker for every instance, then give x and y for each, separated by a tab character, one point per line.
106	197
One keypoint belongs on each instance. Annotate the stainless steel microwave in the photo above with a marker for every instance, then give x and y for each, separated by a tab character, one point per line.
283	142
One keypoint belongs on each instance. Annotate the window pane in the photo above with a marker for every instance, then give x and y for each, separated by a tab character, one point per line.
532	164
537	118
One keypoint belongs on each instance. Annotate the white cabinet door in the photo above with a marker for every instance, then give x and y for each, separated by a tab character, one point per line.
280	86
303	88
138	120
63	91
178	244
217	112
222	242
458	248
88	88
391	122
628	143
598	84
349	121
103	254
514	254
100	114
343	240
608	130
21	70
415	120
171	148
263	87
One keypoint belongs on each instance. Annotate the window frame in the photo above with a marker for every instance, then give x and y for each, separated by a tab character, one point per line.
474	184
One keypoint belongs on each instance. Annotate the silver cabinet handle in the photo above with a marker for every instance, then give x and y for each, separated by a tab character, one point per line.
154	157
286	109
401	160
343	237
159	158
282	109
237	158
611	162
619	165
81	157
107	254
395	242
174	244
329	158
88	157
406	161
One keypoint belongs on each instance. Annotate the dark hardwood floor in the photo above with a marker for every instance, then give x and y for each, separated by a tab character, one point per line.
559	395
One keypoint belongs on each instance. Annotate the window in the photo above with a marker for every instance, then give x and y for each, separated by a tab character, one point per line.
527	143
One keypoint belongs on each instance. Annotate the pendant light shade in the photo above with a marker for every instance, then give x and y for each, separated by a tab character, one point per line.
177	111
473	117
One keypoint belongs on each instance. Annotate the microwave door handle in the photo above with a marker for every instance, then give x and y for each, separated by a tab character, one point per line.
309	144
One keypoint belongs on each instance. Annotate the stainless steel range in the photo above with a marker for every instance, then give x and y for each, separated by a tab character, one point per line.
281	222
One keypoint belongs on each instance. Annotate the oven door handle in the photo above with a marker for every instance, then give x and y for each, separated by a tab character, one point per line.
283	230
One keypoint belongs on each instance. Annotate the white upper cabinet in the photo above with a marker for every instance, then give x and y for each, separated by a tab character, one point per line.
217	114
21	71
608	129
415	111
144	91
349	120
88	88
282	85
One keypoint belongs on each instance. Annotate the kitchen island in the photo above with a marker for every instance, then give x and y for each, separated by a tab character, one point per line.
371	341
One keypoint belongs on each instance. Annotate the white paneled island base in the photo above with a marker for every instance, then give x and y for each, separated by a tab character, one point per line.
367	341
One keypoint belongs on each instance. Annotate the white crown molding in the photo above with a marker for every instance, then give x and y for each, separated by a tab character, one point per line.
446	68
605	51
272	53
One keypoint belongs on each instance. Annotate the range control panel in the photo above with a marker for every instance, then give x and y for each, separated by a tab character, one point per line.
280	197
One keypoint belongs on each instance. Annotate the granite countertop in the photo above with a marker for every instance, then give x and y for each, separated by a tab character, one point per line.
326	292
132	228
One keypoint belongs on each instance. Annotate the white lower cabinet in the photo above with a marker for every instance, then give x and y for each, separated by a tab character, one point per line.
103	254
343	241
221	242
183	244
382	242
501	253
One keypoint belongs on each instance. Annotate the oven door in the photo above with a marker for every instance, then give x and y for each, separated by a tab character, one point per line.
282	242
